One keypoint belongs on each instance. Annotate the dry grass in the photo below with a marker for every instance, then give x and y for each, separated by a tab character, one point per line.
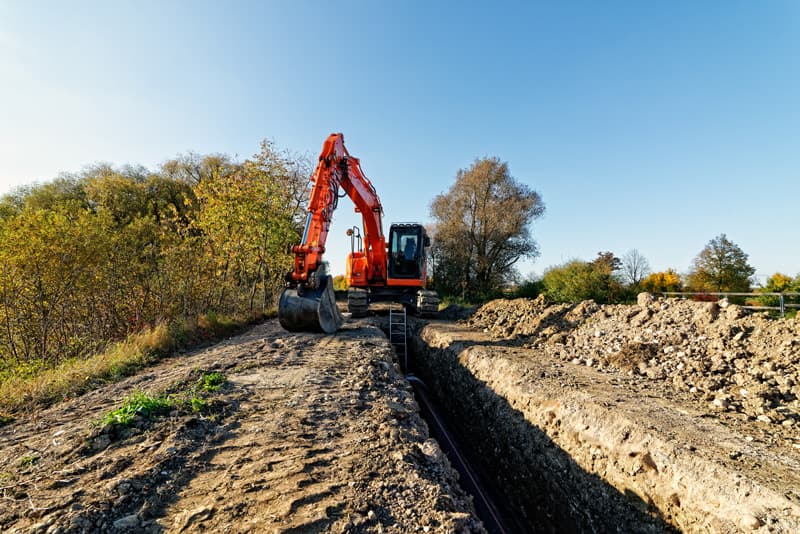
25	390
74	377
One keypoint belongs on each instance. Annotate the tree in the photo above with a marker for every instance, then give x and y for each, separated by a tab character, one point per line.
483	229
662	282
249	214
49	258
779	283
577	280
340	283
609	266
721	266
634	267
607	262
93	257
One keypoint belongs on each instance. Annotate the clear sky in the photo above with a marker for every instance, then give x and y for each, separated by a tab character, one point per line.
648	125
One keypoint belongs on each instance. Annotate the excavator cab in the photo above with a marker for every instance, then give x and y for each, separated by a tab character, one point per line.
407	242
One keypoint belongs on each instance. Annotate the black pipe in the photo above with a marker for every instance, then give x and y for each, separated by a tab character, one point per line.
470	482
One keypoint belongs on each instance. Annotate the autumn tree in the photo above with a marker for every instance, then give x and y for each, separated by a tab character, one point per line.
721	266
50	258
249	214
780	283
340	283
607	262
634	267
482	229
662	282
93	257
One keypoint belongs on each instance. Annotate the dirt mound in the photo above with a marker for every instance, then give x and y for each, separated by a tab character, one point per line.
455	312
529	317
728	360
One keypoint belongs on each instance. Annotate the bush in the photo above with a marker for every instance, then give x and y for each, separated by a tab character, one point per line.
577	280
529	289
340	283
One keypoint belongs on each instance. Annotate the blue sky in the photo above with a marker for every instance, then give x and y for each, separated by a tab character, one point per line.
648	125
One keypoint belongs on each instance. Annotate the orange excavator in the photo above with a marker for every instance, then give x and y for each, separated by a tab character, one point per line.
377	270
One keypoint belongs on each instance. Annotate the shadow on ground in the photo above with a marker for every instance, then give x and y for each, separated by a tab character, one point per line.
539	486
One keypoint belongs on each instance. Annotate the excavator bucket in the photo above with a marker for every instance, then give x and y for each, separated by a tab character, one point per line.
312	310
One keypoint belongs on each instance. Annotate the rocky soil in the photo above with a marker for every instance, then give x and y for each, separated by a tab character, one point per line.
736	365
310	433
643	418
632	418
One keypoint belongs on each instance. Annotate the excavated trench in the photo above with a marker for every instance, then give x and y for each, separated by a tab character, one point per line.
488	502
496	455
563	448
535	485
531	483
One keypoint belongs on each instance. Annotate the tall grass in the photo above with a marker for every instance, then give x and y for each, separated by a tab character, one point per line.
24	386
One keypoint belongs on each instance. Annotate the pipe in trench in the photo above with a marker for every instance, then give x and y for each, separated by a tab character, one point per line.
470	482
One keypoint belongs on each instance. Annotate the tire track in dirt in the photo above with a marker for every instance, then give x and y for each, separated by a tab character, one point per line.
311	433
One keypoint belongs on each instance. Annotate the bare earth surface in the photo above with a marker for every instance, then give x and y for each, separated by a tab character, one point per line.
646	418
311	433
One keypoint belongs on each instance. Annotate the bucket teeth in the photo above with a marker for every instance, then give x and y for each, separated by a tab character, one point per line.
312	310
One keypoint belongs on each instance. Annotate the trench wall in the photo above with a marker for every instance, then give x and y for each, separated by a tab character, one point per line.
570	459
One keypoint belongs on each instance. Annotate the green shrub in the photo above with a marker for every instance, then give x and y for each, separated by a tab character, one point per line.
575	281
212	381
138	403
529	289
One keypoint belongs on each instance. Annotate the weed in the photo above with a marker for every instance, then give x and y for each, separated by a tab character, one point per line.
138	403
212	381
5	420
198	404
28	461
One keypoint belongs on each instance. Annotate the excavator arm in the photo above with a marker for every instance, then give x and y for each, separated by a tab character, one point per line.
336	170
308	302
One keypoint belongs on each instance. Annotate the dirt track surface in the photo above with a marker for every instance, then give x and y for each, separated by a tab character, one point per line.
311	433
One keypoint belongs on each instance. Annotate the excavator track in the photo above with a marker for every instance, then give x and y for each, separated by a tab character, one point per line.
357	303
427	303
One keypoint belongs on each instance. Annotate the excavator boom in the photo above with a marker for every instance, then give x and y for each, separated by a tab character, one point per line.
308	301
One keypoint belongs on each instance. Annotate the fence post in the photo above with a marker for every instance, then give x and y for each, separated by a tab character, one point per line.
781	300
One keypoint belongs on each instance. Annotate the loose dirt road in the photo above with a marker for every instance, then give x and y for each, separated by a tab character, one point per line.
310	433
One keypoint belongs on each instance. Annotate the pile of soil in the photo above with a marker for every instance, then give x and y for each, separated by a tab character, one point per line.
726	359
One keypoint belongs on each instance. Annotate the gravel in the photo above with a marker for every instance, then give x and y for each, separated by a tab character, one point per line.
717	353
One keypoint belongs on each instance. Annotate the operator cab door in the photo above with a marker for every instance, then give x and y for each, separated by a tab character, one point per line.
406	251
